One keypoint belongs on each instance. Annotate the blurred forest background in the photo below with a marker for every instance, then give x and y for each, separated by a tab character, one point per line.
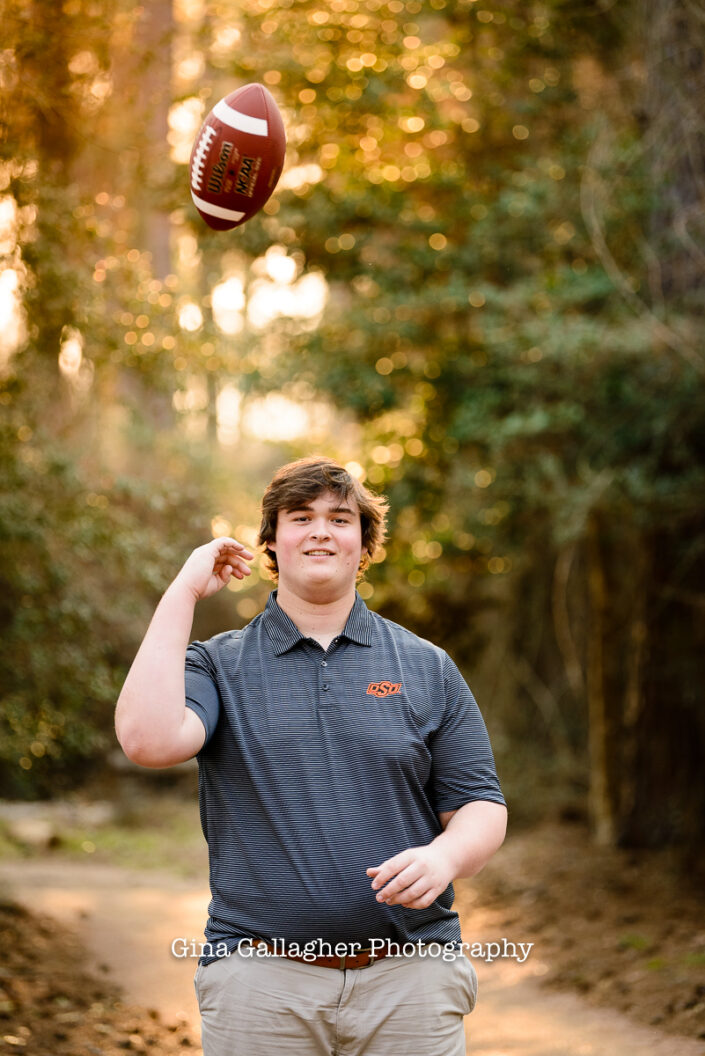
479	283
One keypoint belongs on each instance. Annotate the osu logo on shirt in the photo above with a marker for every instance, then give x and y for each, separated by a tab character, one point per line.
383	689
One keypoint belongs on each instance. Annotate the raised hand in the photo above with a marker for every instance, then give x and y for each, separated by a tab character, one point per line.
209	567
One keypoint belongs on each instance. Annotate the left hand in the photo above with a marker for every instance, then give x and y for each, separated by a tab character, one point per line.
414	878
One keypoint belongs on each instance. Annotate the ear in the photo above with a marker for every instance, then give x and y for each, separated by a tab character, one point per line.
272	546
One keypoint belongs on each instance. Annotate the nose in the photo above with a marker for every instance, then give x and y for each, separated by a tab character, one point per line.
319	530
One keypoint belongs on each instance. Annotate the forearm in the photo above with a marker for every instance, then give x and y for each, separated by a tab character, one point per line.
471	836
151	708
153	724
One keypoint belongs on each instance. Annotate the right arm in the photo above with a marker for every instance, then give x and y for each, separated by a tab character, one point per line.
153	724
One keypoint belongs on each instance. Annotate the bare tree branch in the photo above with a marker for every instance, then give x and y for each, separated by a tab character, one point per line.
590	192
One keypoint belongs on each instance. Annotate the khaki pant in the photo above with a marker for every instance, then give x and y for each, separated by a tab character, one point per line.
398	1006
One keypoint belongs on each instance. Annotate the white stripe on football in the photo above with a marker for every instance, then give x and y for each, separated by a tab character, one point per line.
216	210
257	126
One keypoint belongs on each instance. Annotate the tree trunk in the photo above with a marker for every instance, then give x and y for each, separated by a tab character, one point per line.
154	98
675	141
602	798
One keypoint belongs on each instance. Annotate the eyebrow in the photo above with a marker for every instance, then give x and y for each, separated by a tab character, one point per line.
334	509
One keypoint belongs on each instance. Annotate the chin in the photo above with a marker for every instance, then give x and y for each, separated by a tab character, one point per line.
324	585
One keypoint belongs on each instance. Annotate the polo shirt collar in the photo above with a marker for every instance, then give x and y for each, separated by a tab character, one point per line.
284	633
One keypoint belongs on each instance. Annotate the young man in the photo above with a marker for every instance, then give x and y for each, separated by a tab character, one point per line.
345	780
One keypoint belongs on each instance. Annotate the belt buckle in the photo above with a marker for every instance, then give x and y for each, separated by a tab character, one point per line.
342	961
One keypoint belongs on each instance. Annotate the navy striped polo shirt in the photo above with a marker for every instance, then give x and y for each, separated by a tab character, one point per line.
319	764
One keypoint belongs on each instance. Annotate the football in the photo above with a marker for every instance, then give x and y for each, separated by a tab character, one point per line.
237	157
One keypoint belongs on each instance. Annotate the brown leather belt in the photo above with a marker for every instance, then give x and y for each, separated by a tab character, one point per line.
363	959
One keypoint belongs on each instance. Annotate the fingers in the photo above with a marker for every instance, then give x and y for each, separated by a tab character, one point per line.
414	878
414	894
383	873
230	558
406	895
209	567
226	566
400	880
407	887
424	902
225	545
224	572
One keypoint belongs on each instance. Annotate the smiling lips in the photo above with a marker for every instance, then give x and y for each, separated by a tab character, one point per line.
318	553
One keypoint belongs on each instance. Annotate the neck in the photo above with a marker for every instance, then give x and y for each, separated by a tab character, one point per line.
321	621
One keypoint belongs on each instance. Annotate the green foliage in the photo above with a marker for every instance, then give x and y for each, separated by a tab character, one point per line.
512	325
96	508
81	565
55	669
490	224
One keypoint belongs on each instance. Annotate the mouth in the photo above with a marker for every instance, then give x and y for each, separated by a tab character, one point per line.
318	553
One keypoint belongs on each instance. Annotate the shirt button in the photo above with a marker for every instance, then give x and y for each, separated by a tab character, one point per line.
325	685
324	663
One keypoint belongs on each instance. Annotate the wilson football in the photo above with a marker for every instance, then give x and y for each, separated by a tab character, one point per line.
237	157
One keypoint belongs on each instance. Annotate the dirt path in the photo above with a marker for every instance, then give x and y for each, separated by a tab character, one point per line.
128	920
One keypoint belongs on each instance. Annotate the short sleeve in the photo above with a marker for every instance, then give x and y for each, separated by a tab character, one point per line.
201	687
463	768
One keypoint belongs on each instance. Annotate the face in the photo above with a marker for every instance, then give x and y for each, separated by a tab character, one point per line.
319	547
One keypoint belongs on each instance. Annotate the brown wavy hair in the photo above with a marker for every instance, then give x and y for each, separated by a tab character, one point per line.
299	483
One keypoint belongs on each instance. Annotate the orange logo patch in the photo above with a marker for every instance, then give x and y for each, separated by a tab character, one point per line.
383	689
